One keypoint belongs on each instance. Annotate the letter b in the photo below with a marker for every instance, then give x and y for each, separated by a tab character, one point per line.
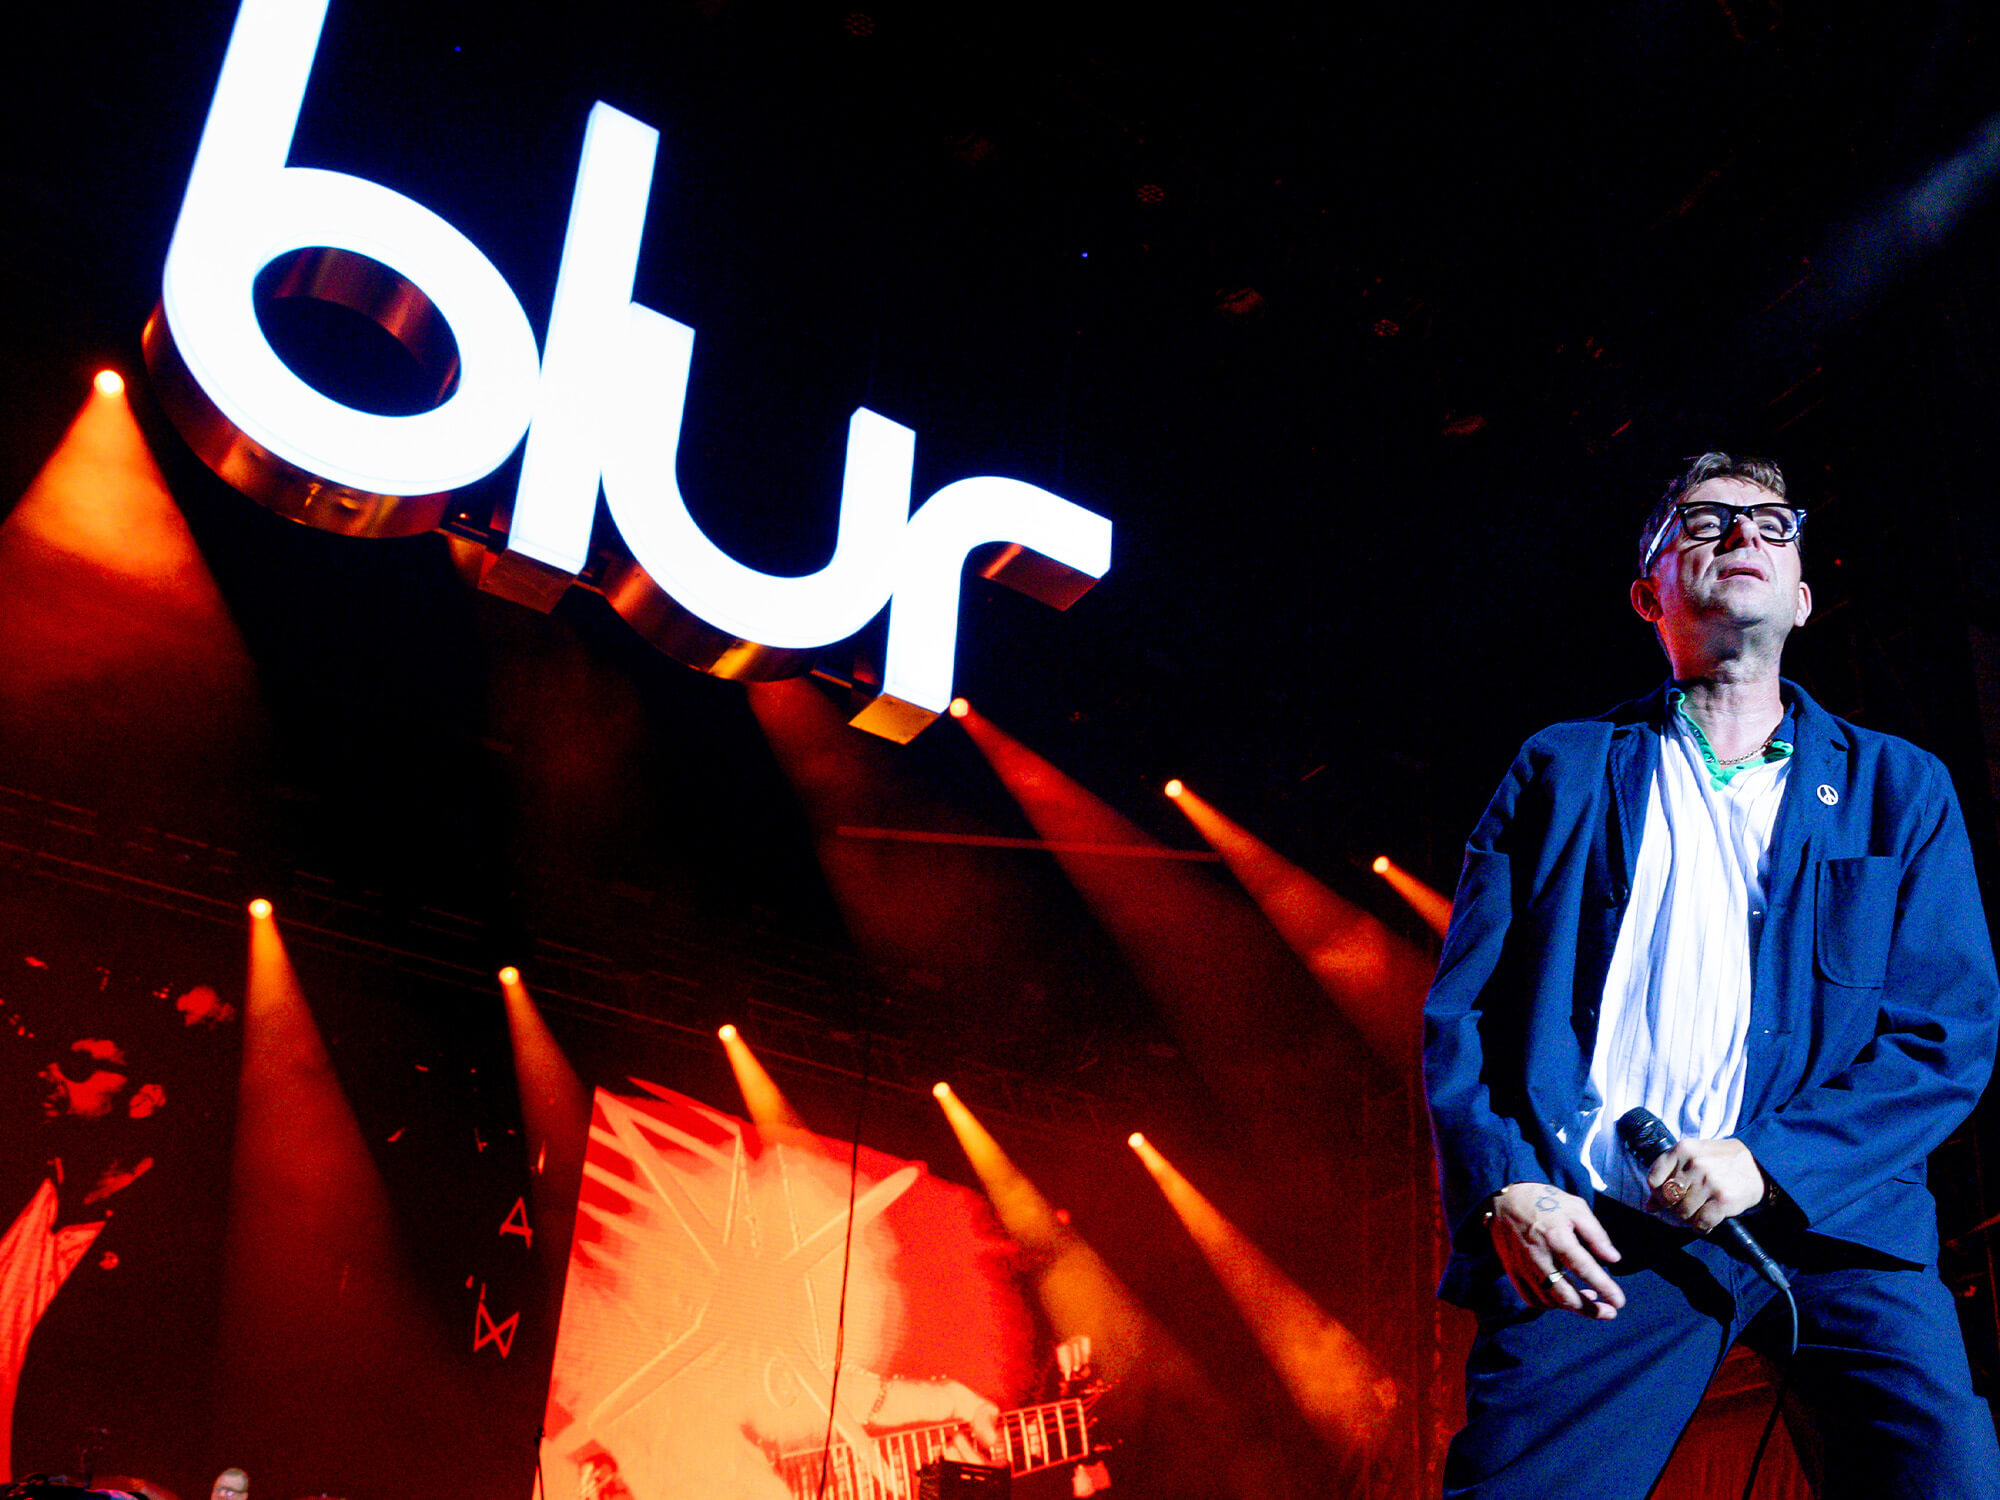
241	407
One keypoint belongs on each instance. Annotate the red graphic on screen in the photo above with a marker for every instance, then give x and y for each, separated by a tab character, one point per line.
486	1331
703	1320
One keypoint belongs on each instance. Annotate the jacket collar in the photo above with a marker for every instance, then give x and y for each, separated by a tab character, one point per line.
1636	731
1809	720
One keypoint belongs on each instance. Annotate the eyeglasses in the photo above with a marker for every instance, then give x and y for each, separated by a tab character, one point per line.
1711	520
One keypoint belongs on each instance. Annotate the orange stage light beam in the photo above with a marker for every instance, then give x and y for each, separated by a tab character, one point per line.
324	1334
1427	902
766	1102
555	1116
1320	1101
1078	1291
1008	841
1082	1295
100	497
124	677
1330	1375
913	876
1377	978
1251	1017
301	1172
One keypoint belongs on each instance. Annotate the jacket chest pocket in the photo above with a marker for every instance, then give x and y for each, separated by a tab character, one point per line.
1854	916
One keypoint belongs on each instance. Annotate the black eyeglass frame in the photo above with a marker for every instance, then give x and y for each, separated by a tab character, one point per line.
1679	518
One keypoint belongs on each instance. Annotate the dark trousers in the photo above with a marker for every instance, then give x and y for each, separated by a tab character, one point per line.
1557	1405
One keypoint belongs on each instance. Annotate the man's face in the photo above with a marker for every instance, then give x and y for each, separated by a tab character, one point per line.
88	1083
1740	580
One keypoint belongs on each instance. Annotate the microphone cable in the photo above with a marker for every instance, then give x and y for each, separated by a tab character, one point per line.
846	1264
1646	1137
1777	1405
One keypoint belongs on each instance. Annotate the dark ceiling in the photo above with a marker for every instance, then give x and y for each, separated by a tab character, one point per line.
1370	331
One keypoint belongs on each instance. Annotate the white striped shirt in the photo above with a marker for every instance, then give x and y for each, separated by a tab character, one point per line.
1673	1031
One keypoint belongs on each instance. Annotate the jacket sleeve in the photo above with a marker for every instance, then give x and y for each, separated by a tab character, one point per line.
1480	1147
1919	1075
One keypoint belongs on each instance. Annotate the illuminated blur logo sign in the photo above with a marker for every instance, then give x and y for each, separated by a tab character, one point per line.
600	403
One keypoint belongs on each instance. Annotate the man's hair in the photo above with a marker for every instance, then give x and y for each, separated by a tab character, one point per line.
1758	471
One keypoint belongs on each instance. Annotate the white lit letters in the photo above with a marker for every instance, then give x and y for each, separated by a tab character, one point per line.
244	208
600	404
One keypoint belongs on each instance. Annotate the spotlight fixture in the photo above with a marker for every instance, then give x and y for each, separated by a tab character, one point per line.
510	976
109	382
941	1091
1174	788
1381	865
260	908
726	1032
1135	1140
959	708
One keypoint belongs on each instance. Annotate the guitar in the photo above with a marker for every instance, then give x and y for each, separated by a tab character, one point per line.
1031	1439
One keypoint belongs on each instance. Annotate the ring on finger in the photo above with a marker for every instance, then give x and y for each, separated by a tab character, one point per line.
1555	1276
1677	1191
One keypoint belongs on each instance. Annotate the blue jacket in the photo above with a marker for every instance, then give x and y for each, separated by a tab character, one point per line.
1874	998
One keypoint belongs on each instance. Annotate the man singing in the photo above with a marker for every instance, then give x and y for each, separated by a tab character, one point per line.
1726	906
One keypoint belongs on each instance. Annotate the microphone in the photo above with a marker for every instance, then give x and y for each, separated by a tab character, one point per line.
1646	1139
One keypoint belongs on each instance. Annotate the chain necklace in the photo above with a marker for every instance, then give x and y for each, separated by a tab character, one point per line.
1752	755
